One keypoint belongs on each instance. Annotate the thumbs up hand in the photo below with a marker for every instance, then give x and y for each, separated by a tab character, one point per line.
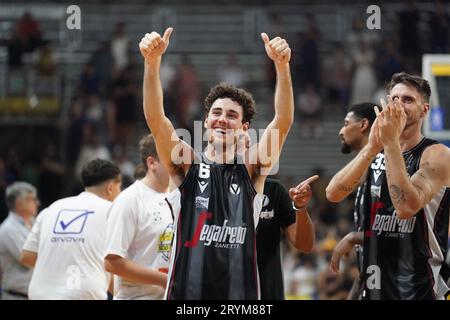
153	46
277	49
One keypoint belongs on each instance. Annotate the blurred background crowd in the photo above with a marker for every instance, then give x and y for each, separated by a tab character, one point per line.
69	96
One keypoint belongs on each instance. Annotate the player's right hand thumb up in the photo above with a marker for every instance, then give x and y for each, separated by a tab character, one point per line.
152	46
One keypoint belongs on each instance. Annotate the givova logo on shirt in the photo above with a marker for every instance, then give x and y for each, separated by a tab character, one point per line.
224	236
71	221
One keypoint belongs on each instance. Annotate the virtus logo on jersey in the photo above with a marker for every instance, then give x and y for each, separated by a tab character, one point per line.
394	226
223	236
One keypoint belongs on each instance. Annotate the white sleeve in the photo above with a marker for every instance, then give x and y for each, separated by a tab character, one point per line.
121	225
32	242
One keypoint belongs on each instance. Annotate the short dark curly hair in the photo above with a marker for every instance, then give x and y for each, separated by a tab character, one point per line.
241	96
98	171
364	110
421	85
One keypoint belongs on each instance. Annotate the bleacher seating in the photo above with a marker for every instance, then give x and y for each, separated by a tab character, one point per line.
208	34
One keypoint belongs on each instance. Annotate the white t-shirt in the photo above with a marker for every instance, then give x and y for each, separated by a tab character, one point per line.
119	47
69	238
140	229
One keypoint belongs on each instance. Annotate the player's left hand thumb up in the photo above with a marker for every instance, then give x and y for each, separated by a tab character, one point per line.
277	49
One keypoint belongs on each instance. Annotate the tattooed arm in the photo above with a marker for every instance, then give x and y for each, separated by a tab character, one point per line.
348	178
410	194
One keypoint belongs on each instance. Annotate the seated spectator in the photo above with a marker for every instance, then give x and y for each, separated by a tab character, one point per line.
309	106
231	72
119	47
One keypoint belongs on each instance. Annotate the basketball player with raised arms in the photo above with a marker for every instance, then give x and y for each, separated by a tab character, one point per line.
219	193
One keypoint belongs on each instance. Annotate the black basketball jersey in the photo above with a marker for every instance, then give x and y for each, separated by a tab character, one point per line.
214	249
403	258
276	215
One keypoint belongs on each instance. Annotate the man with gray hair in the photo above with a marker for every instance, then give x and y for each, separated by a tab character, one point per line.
22	201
